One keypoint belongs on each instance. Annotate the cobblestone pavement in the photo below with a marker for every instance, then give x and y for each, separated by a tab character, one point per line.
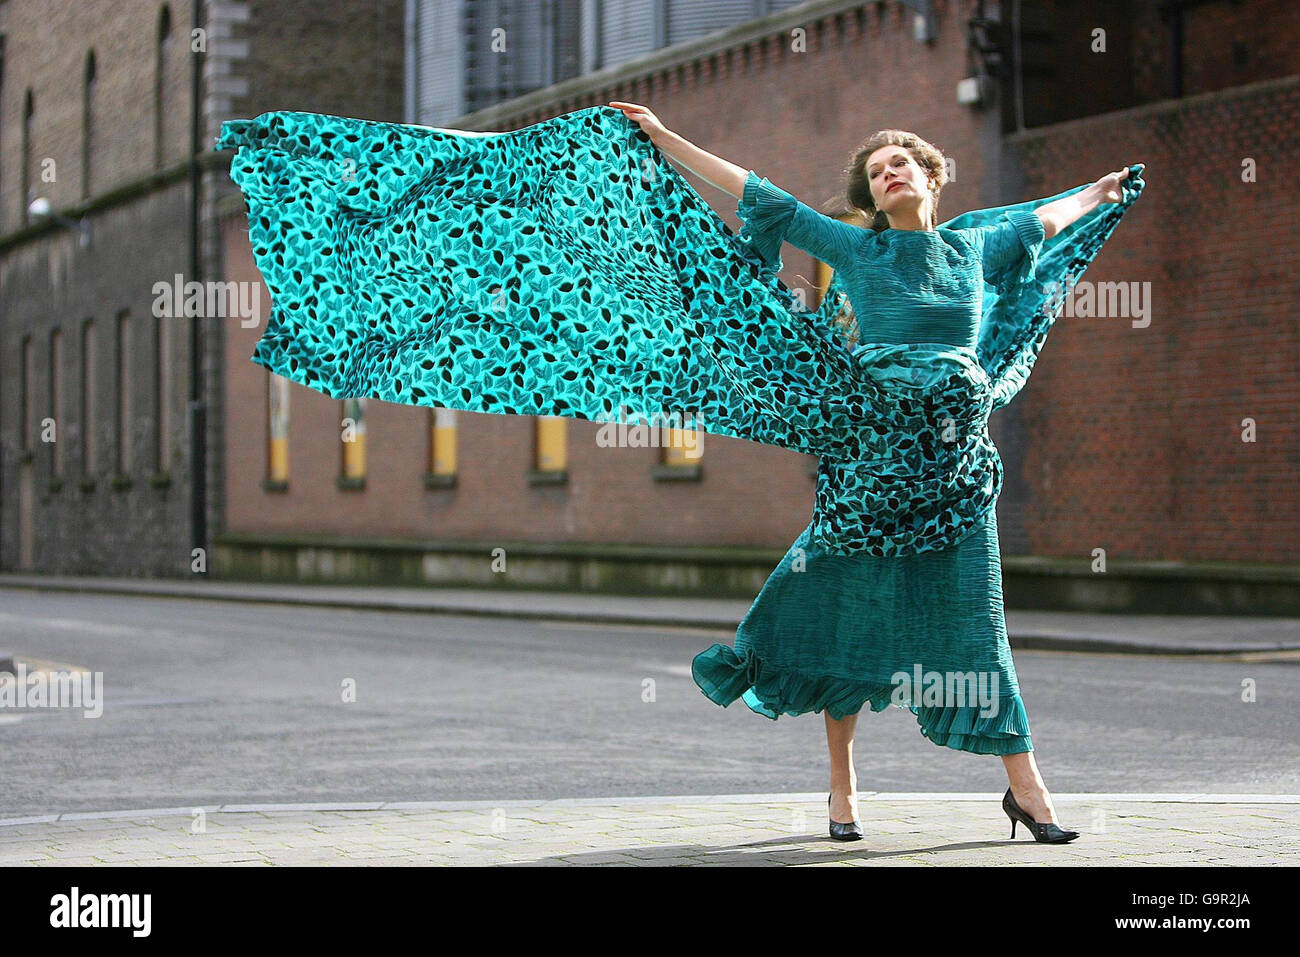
760	829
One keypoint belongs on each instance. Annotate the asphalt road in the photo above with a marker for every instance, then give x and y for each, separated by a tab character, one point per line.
211	702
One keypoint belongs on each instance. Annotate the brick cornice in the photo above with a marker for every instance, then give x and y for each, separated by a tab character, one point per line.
582	87
1077	126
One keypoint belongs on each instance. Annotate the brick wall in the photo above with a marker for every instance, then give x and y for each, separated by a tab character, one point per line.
1135	433
46	46
328	54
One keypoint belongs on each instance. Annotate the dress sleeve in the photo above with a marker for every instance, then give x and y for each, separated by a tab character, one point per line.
772	216
1029	276
1009	249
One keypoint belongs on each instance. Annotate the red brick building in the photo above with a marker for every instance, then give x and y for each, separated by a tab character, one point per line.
1128	436
1169	441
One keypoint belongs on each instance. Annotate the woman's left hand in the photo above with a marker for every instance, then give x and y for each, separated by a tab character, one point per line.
1109	186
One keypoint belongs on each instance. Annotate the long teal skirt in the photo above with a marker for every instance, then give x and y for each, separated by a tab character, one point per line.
834	632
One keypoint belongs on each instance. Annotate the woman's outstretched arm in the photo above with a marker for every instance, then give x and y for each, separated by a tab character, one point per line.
1056	216
713	169
772	215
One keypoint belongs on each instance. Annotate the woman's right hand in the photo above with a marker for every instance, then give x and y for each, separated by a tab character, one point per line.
642	116
712	169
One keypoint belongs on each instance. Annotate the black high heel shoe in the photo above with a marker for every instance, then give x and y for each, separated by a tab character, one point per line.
1045	833
843	832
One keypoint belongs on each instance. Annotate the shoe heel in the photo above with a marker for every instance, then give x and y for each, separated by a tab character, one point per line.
843	832
1044	832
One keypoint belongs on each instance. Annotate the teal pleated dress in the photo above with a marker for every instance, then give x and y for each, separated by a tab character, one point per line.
831	631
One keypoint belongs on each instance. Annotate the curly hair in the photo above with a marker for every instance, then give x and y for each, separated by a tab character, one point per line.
858	189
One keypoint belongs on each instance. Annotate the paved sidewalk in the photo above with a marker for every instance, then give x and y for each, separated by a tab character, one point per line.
1065	631
760	829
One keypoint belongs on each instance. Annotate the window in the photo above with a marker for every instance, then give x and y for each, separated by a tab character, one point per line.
2	100
353	442
682	446
162	377
122	380
162	51
277	433
88	410
51	435
25	375
681	449
25	193
550	450
442	449
846	323
87	123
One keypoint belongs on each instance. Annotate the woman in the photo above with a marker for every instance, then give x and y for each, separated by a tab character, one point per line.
832	632
567	269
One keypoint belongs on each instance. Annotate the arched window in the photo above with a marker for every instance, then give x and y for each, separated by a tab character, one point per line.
55	382
122	377
162	392
89	408
87	123
162	54
27	373
2	100
25	193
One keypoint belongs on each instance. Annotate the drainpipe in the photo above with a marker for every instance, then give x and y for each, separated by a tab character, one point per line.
412	83
197	409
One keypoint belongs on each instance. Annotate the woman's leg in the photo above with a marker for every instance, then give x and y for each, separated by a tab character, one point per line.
1027	787
844	779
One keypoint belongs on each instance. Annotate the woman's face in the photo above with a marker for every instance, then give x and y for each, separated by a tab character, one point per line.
897	181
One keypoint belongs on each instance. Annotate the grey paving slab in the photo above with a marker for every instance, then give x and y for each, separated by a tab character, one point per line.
754	830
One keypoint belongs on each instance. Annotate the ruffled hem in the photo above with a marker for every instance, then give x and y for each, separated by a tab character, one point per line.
766	211
724	676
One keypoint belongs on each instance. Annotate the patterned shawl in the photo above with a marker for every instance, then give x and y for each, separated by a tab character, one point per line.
567	268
